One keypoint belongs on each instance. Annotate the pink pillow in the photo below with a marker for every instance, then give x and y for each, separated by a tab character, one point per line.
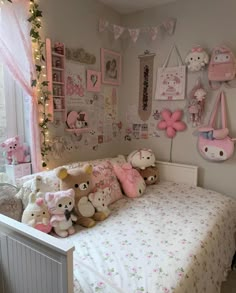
104	176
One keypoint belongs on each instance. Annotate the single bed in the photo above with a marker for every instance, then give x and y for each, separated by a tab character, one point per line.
176	238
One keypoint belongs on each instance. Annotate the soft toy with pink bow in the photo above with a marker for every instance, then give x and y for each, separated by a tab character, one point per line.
131	181
197	59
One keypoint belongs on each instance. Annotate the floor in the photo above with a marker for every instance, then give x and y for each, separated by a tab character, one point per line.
230	285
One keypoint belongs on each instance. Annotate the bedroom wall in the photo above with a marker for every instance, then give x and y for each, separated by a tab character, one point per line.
207	23
75	23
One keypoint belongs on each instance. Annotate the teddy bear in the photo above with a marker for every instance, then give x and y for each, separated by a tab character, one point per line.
36	214
35	185
131	181
197	59
15	152
150	175
101	199
80	180
142	158
60	205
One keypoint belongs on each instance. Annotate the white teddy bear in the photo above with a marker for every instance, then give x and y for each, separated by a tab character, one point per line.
101	199
196	59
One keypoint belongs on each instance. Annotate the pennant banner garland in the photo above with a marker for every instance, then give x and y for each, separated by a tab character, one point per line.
167	26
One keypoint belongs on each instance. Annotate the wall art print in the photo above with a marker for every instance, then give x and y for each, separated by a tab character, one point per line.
75	79
111	67
93	81
145	85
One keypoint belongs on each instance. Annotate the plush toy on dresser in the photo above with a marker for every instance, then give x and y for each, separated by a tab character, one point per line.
36	214
80	180
60	205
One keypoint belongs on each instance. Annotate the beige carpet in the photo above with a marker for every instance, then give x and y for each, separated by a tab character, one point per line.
230	285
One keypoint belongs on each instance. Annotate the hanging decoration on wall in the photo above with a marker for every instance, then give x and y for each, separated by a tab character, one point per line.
171	122
197	59
167	26
195	104
171	80
145	85
80	55
75	80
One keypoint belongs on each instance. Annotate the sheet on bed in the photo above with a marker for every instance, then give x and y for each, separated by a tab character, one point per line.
175	238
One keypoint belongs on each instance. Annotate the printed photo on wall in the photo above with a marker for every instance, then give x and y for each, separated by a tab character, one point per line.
111	67
93	81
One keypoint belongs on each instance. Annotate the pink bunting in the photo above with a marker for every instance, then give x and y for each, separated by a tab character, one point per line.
169	25
103	24
153	31
134	34
118	30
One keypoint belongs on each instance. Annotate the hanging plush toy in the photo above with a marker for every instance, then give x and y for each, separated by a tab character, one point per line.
196	102
197	59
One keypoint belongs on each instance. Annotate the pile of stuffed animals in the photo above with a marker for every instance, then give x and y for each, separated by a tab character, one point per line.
76	202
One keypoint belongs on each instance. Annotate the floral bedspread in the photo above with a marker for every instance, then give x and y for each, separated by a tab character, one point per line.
175	238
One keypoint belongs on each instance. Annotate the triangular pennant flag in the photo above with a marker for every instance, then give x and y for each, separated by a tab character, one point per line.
153	31
134	34
103	24
117	30
169	25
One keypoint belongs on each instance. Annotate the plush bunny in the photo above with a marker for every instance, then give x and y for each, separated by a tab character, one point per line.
36	214
132	182
142	158
196	59
60	205
101	199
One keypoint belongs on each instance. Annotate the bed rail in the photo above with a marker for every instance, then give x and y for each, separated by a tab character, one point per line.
32	261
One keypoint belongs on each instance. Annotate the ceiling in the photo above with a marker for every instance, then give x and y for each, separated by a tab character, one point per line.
130	6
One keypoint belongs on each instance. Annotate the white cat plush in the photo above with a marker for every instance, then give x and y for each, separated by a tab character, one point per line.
60	205
142	159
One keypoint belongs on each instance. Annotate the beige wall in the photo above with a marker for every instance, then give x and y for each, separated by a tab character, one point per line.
207	23
75	23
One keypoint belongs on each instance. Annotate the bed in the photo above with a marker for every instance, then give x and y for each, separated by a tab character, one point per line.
177	238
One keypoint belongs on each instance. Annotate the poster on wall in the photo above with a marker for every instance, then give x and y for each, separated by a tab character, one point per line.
75	80
145	86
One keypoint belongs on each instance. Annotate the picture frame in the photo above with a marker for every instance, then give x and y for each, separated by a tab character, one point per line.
93	81
110	67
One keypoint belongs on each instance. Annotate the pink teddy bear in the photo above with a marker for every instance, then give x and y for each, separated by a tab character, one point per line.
132	182
15	152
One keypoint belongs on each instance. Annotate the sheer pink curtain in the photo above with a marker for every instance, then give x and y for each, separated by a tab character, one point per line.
16	54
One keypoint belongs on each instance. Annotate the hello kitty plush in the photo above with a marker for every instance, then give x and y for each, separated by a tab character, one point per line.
131	181
142	158
101	199
36	214
197	59
60	205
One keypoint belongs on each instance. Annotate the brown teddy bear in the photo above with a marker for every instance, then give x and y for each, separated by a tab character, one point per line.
150	175
80	179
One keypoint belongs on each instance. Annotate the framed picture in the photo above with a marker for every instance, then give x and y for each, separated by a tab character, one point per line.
93	81
111	67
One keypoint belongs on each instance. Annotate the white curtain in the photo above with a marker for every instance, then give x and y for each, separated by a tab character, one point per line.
16	54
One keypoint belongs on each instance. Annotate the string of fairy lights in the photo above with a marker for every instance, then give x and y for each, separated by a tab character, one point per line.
40	82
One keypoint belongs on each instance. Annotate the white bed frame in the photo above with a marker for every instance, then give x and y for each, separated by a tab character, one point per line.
34	262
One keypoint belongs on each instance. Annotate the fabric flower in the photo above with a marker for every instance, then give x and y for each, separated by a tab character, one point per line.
171	122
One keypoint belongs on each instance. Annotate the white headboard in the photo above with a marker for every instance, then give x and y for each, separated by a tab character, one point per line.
180	173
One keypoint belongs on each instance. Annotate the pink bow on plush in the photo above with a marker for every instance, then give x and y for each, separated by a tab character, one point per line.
197	49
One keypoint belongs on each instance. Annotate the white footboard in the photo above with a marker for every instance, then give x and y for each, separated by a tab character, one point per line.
32	261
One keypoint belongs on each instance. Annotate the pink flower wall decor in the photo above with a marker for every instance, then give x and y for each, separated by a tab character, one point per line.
171	122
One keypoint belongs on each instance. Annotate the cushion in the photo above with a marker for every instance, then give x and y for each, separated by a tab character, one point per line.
104	176
9	205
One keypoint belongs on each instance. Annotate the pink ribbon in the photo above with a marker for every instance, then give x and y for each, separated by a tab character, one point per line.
197	49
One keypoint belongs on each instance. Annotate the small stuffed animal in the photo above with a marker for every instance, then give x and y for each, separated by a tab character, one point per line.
80	180
60	205
15	152
132	182
197	59
101	199
36	214
150	175
142	158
